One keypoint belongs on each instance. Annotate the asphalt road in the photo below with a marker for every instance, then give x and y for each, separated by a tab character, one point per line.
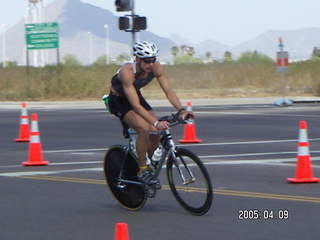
249	151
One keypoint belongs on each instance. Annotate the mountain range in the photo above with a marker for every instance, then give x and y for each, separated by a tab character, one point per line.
82	33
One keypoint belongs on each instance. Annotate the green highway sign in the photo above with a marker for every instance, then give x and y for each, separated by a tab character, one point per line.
42	35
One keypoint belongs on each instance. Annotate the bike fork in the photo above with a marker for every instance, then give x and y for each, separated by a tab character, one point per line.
182	176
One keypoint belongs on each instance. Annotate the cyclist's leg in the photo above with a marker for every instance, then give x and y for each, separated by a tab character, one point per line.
142	128
154	140
123	109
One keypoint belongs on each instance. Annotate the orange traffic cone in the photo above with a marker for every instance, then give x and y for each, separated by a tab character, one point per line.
24	133
121	232
35	157
189	135
304	172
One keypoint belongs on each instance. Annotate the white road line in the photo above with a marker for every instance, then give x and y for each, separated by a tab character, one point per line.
19	174
279	161
189	145
283	162
257	114
76	150
208	159
248	142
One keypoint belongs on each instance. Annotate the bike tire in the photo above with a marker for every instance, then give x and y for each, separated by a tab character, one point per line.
131	196
195	197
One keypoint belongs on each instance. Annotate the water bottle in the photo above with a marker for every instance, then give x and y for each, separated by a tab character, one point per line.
105	99
157	154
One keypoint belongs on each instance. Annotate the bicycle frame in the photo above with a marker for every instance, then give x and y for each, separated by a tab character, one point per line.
166	142
169	148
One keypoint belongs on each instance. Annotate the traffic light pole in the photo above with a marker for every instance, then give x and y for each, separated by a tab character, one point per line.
133	35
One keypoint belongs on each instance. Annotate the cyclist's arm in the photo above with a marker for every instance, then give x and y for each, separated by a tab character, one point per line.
126	76
164	83
170	93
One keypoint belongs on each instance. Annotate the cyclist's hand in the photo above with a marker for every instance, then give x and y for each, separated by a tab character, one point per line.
162	125
187	114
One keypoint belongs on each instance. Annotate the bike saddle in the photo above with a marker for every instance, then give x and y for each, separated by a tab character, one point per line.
125	128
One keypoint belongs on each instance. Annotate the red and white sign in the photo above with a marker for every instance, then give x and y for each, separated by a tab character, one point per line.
283	59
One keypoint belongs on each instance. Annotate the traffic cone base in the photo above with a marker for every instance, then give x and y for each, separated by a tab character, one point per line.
303	180
42	163
35	156
304	171
22	140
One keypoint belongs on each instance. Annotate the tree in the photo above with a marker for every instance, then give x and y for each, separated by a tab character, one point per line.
253	57
174	51
185	55
186	59
209	56
183	49
190	51
123	57
9	64
101	61
227	56
71	60
316	52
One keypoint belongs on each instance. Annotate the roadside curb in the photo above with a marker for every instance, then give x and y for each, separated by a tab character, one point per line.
155	103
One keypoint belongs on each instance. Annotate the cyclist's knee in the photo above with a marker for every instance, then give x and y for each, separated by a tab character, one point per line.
143	129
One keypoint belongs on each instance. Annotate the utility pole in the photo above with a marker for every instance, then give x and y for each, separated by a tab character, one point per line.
4	46
106	26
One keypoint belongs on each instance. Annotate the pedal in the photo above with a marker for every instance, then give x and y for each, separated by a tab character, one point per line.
121	186
151	192
158	186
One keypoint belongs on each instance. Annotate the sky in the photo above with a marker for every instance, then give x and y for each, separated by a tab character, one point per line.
229	22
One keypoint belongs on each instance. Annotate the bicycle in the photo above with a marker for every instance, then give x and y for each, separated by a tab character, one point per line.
187	176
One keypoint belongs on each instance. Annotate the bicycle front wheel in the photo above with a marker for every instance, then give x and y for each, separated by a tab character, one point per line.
189	181
118	166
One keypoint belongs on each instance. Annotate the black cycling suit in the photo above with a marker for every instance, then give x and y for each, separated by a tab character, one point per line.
119	103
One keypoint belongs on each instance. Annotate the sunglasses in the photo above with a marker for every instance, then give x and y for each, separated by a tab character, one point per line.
149	60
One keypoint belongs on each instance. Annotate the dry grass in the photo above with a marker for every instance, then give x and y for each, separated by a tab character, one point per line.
230	79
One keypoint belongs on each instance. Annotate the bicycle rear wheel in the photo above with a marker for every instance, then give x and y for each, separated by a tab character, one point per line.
189	182
119	165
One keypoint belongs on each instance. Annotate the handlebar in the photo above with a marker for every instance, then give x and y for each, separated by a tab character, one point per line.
175	119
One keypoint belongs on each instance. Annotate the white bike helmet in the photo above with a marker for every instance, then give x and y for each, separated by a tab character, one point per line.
145	49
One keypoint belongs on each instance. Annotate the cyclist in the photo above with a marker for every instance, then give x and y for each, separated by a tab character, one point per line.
127	103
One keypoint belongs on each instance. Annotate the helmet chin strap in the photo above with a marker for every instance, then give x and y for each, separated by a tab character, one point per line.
140	68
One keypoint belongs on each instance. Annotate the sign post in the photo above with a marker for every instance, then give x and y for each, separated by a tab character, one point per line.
282	67
40	36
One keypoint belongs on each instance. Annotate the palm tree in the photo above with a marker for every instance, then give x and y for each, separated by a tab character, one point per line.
174	51
190	51
227	56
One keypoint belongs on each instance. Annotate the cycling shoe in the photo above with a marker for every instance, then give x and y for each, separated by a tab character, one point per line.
146	178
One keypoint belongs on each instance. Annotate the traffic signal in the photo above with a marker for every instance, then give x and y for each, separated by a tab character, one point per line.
124	23
124	5
139	23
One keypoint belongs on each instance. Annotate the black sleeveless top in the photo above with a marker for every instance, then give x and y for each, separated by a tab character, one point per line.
138	83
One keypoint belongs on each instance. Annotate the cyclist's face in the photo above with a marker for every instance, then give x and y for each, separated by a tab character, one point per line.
147	63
